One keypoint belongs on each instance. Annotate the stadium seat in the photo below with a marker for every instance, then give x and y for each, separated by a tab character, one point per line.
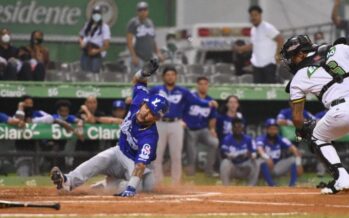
223	68
223	79
247	78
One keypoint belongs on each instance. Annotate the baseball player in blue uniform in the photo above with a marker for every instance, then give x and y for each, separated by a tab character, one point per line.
224	120
200	124
170	126
137	145
269	147
239	152
4	118
285	116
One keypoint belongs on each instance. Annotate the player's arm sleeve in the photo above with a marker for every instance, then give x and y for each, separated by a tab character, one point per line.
147	150
297	95
4	118
131	27
44	118
140	91
285	143
192	99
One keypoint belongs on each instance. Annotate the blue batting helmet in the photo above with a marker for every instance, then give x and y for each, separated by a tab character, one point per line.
157	104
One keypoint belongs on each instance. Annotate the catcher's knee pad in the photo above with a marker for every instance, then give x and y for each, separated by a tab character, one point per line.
333	168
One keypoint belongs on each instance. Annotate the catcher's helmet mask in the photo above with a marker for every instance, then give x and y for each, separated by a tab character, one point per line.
294	45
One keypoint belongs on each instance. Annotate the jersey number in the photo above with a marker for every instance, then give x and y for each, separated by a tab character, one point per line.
335	68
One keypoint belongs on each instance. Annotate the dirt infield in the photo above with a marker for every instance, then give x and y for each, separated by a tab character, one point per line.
182	201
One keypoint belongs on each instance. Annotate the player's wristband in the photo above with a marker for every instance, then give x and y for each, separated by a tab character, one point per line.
298	161
134	181
139	75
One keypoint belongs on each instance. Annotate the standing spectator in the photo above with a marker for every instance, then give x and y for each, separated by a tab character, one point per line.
269	147
239	152
340	22
284	117
39	54
8	57
266	43
201	128
141	38
230	112
170	126
94	41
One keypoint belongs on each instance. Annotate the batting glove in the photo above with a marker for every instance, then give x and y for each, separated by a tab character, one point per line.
129	192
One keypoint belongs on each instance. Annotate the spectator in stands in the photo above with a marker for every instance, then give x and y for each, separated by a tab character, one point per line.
9	64
170	126
4	118
319	38
39	55
141	38
239	151
270	147
285	116
94	41
119	109
26	112
170	52
200	122
230	112
266	46
338	21
241	60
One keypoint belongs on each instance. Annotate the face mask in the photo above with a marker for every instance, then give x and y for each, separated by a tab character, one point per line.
6	38
96	17
38	41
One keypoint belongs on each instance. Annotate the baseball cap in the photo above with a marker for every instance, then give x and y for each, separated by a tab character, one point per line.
97	10
119	104
142	5
157	104
270	122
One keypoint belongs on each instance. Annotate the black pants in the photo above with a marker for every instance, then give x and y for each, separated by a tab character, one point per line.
265	74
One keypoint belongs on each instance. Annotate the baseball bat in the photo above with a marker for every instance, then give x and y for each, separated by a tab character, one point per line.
8	204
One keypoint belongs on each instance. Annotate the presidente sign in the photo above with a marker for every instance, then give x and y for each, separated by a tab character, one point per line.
63	17
55	132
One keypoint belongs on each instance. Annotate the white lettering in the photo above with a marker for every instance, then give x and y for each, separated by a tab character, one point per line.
38	15
92	133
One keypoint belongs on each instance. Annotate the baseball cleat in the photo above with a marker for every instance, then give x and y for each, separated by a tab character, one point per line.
334	186
58	179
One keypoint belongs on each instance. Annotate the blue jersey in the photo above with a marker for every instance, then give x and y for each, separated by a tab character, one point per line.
69	119
241	150
4	118
196	116
273	149
286	114
178	98
223	126
136	142
319	115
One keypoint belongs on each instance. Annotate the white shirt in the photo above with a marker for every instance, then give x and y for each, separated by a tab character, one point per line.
97	38
264	46
312	79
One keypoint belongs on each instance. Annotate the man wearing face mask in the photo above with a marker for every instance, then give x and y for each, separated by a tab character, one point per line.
171	53
8	55
141	38
39	55
94	42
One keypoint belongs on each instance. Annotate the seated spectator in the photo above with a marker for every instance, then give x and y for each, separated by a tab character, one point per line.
269	147
9	64
239	152
284	117
94	42
224	120
241	60
39	55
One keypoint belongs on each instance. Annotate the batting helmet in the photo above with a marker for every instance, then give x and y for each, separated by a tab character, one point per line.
157	104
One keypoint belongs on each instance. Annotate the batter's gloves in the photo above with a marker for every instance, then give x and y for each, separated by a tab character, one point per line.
129	192
150	67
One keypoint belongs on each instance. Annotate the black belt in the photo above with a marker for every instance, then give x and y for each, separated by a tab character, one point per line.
337	101
169	120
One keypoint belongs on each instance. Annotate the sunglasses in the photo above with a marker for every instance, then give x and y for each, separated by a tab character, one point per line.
142	9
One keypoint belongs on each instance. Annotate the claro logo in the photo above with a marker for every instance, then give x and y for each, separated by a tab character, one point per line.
33	13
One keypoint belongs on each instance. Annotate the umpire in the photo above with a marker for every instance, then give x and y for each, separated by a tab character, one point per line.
201	128
170	127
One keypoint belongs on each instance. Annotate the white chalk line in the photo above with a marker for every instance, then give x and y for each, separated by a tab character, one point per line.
150	214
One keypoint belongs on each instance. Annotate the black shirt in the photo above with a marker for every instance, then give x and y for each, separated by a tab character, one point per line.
8	53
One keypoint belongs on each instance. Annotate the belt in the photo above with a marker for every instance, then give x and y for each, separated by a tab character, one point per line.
337	101
169	120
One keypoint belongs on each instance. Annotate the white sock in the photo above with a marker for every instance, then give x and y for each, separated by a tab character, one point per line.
330	154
